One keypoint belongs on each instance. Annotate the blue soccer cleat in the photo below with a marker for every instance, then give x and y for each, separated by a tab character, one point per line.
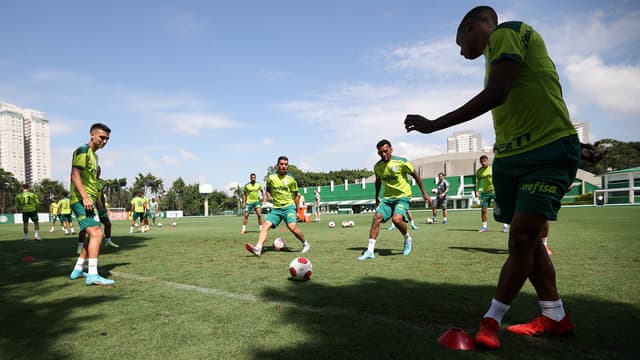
367	255
97	280
407	246
76	274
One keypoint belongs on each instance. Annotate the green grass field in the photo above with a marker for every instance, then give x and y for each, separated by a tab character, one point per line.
194	292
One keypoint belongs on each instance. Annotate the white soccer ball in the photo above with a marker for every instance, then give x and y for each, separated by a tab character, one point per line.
434	191
300	269
429	220
279	244
174	224
159	224
332	224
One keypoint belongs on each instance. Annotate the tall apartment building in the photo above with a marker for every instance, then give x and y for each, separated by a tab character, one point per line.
582	128
25	148
464	141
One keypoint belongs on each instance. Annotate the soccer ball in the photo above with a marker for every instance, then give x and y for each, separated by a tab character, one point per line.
434	191
429	220
278	244
174	224
332	224
159	224
300	269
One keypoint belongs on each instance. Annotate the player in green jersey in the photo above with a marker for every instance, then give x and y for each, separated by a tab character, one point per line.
138	209
392	171
27	203
282	190
536	158
484	182
53	211
64	212
84	194
251	195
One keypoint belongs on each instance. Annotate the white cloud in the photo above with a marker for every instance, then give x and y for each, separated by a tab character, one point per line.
187	155
616	88
186	25
150	163
171	161
192	123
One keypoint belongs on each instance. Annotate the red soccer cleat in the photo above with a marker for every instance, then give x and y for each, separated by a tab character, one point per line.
251	249
487	335
543	325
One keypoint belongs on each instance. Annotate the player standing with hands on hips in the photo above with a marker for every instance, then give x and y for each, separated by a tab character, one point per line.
536	158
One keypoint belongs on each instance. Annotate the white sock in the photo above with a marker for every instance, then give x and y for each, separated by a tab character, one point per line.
26	236
544	240
130	229
484	224
244	227
407	236
79	264
93	266
497	310
36	234
552	309
444	218
412	223
372	245
258	247
260	227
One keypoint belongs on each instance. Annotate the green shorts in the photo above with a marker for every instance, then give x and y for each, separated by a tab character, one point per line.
251	207
287	213
137	215
86	219
65	218
33	215
535	182
390	207
486	199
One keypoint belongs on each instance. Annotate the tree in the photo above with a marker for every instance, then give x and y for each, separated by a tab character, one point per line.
116	193
9	188
46	190
148	182
616	155
308	179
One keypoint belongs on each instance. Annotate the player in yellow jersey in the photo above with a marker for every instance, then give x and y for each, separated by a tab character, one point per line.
64	212
282	190
53	211
484	182
28	203
138	209
392	171
251	195
536	159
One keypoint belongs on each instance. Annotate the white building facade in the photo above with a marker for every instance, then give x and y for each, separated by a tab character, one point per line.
25	147
464	141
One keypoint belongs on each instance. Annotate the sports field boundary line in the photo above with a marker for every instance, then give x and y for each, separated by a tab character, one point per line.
324	310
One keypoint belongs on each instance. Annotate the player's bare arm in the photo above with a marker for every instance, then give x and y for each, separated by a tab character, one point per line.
77	182
501	78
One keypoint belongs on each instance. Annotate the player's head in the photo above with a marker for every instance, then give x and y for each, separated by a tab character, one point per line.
65	194
25	187
440	175
252	177
384	149
283	165
99	135
474	31
484	160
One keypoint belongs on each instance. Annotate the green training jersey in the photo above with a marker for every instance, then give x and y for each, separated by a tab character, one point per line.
65	206
86	161
393	174
251	191
281	189
138	204
534	114
484	180
27	201
54	207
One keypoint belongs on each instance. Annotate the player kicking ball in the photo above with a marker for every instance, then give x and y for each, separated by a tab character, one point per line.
282	190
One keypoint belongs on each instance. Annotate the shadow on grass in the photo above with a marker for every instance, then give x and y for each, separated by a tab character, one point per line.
479	249
383	318
31	324
378	251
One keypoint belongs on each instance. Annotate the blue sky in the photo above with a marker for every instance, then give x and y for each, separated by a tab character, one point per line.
211	91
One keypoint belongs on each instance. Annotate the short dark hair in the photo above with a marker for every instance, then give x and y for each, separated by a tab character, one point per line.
25	186
252	174
382	143
282	157
483	12
484	157
100	126
440	173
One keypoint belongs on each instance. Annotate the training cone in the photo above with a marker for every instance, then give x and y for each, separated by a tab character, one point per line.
456	339
27	258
